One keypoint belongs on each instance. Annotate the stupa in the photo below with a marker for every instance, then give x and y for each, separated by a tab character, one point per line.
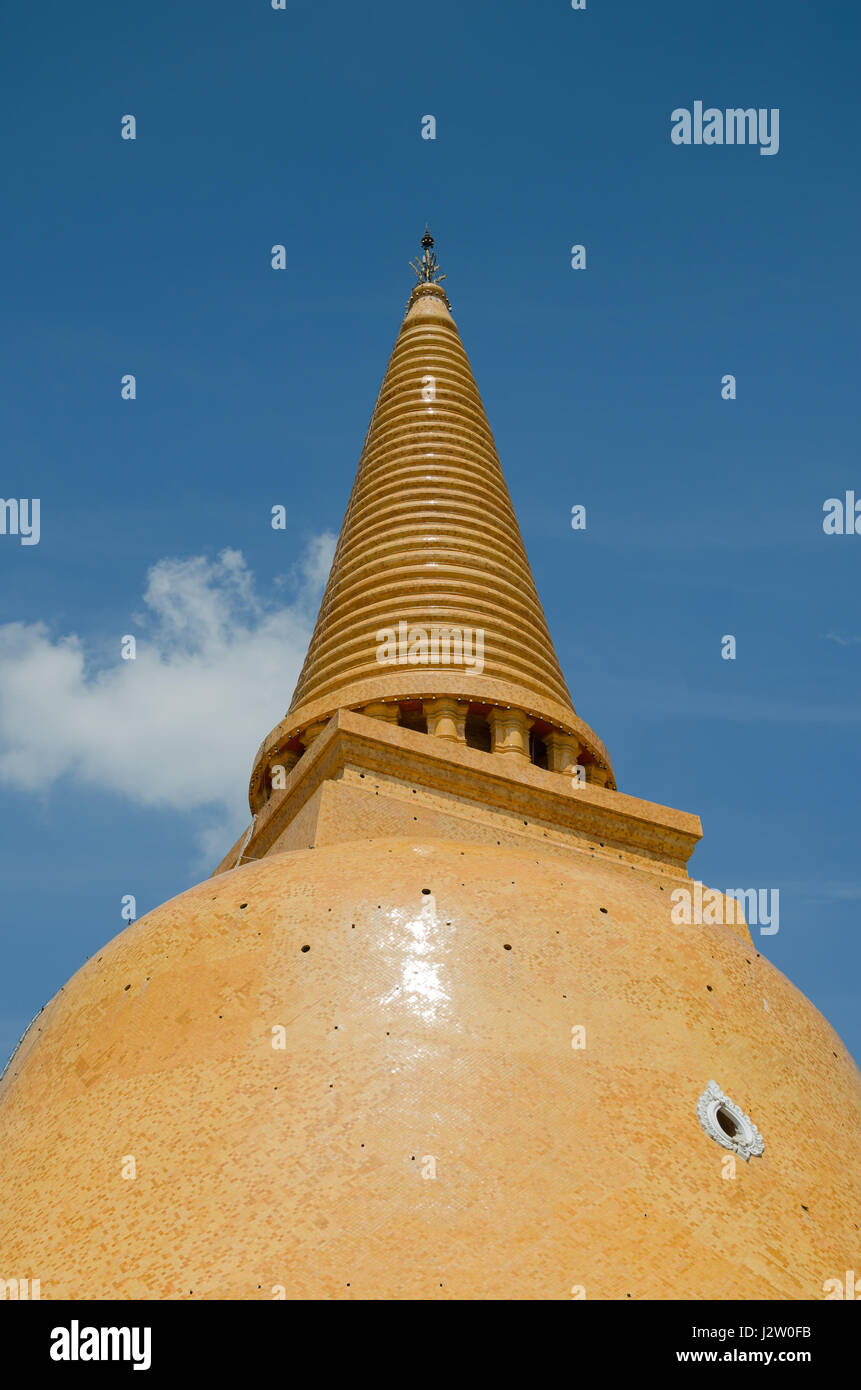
430	1030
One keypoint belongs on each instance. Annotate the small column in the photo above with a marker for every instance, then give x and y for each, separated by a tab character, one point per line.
312	732
380	709
446	719
563	752
509	732
597	776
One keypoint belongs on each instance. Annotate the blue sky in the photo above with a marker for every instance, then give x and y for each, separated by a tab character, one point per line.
302	127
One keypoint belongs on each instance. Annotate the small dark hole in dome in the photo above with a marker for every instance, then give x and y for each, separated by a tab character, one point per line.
709	988
506	947
602	909
425	890
306	948
127	987
241	905
726	1122
804	1208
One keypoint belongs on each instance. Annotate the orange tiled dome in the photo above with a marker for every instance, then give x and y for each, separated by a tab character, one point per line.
426	1130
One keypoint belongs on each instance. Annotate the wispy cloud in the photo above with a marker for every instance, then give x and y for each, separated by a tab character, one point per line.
843	641
177	727
836	892
677	701
690	533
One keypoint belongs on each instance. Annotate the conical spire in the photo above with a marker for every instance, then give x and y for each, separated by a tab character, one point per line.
430	541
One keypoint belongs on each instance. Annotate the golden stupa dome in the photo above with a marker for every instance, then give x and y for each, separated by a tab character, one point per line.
348	1072
432	1029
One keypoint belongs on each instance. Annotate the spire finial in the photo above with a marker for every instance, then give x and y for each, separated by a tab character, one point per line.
427	269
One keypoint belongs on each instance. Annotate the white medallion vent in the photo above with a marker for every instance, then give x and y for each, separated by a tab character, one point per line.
723	1121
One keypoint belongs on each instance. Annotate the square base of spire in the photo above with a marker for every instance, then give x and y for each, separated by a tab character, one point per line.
363	779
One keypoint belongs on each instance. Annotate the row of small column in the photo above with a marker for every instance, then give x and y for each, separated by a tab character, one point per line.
446	719
509	734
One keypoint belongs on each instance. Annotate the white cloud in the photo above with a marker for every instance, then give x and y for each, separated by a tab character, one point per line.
178	727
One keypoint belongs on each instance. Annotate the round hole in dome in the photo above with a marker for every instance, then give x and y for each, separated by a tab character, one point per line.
726	1122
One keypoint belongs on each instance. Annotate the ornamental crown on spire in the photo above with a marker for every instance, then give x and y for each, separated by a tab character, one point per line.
427	269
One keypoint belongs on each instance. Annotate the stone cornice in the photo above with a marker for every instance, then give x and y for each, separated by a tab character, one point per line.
422	683
477	781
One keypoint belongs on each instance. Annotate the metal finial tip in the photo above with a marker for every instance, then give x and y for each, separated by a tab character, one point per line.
427	269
